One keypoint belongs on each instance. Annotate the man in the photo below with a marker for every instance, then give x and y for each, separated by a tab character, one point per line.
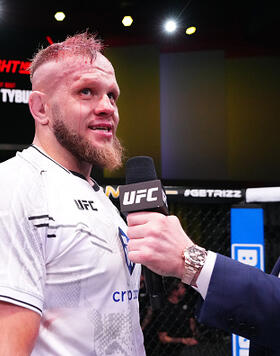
176	325
66	284
236	297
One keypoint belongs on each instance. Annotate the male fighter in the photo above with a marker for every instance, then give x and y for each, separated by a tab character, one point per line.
66	284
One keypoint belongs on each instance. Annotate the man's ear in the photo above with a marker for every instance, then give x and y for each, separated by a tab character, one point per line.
38	107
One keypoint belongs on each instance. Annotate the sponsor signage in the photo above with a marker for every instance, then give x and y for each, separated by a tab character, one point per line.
15	96
213	193
189	194
14	66
12	71
16	122
16	127
247	246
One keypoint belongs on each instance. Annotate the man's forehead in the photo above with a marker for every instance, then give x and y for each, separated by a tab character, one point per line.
70	68
100	64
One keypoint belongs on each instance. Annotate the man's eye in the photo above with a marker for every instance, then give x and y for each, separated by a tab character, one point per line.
86	91
112	96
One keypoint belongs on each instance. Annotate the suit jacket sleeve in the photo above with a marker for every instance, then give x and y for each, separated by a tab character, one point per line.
243	300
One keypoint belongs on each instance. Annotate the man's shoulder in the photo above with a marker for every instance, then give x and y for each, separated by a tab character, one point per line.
20	182
17	169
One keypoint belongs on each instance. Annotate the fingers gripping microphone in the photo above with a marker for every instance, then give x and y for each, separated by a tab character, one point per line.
143	192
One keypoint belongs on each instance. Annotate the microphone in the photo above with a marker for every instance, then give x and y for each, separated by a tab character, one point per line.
144	192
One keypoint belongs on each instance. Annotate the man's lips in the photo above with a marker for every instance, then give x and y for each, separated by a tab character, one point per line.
105	127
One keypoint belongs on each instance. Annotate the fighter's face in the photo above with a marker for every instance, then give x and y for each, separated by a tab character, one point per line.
84	113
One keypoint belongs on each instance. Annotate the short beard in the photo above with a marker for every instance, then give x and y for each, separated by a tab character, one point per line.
109	156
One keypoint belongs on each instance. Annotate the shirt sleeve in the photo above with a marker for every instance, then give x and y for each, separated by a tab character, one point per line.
204	277
22	246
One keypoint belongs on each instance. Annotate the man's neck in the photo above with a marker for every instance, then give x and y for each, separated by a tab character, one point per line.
65	158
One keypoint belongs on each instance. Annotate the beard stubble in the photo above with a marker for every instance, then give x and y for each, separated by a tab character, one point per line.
109	156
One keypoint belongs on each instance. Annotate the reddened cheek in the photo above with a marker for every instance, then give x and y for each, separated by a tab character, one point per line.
116	116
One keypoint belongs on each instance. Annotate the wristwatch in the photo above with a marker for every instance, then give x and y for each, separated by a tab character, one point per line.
194	258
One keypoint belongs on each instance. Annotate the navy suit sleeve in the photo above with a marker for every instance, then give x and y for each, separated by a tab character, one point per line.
243	300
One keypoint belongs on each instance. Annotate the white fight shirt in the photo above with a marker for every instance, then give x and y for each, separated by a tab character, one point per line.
63	255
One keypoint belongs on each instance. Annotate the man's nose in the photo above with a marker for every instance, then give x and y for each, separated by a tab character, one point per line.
104	106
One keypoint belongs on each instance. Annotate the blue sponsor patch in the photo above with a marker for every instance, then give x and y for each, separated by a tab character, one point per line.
124	240
247	246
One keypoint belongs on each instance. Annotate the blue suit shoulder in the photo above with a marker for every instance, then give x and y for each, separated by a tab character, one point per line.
245	301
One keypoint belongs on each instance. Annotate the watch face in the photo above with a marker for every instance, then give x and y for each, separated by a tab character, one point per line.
194	260
195	255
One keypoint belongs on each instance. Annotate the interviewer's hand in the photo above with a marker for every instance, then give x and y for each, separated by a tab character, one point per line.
157	241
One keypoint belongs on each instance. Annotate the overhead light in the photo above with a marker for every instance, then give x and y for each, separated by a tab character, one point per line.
170	26
127	21
191	30
59	16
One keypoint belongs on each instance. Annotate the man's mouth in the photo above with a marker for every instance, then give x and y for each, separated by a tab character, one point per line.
106	128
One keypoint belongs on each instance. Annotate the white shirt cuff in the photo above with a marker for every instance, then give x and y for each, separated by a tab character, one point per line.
204	277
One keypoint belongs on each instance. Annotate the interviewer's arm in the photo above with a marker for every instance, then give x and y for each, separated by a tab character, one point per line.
18	330
239	298
158	241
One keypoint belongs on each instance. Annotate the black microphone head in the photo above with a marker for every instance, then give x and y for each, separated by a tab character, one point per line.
140	169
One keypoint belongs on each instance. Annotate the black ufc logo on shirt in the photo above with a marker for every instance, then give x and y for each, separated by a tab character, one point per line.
85	204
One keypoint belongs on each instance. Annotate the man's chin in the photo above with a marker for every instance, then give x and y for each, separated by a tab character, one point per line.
109	156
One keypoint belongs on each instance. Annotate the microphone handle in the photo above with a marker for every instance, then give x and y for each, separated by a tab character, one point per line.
153	281
155	288
143	192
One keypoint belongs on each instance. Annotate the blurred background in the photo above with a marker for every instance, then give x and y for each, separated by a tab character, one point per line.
204	105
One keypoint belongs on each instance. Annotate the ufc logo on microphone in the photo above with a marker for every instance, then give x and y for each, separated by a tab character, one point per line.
135	196
142	196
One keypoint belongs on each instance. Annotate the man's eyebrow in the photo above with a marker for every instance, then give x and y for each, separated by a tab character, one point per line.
84	81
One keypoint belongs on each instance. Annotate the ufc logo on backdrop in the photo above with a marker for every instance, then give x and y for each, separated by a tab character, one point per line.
135	196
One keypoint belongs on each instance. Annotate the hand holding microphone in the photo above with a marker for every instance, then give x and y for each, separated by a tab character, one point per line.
157	241
152	234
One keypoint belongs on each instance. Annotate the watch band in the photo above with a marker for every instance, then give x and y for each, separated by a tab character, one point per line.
194	258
